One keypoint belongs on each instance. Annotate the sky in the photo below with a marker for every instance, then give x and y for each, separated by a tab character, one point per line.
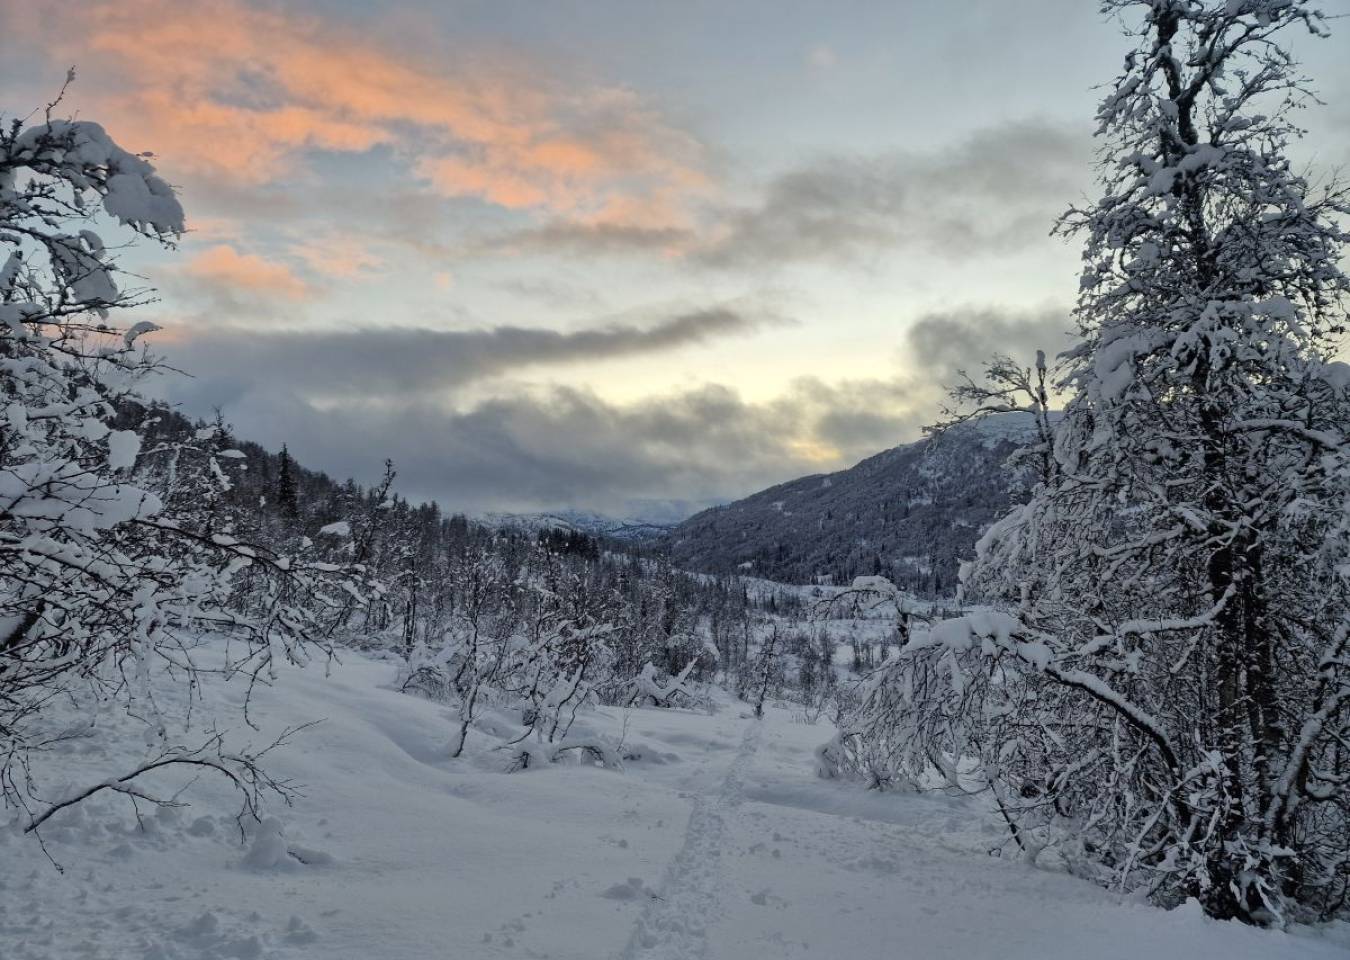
619	255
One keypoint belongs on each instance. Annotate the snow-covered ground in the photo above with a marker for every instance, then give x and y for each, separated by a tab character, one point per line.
716	841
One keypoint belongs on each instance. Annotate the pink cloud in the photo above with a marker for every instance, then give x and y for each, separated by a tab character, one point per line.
228	90
339	256
225	267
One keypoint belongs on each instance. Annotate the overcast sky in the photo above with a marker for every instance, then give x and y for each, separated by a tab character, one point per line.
592	254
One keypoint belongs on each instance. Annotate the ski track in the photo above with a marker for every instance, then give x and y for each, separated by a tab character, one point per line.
674	925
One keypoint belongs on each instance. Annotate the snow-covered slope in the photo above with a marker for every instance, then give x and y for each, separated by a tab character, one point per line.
715	841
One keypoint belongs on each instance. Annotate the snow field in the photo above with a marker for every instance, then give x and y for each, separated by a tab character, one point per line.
715	841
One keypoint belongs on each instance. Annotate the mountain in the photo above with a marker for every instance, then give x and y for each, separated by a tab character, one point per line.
642	520
582	521
912	514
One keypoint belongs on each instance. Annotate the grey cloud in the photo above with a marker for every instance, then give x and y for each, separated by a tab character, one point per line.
550	447
995	192
547	448
553	293
566	236
949	342
404	362
251	202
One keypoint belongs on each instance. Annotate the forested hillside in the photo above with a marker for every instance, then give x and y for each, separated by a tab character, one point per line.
911	514
433	570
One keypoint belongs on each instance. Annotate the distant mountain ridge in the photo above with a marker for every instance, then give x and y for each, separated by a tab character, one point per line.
582	521
911	513
640	519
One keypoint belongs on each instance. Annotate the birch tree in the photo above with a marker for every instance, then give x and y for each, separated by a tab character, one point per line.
113	560
1166	701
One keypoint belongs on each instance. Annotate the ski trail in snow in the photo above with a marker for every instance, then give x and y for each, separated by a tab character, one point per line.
675	926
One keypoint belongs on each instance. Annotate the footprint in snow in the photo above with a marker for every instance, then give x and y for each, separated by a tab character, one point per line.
631	889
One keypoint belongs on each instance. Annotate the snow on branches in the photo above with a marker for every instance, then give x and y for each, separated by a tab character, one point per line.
1165	699
113	556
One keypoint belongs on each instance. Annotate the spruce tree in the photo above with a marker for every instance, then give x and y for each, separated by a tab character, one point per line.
288	502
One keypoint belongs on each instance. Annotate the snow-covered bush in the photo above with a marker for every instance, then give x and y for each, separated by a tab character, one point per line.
650	689
1167	697
533	638
113	560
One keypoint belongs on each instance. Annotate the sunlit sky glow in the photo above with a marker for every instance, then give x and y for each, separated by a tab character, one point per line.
598	254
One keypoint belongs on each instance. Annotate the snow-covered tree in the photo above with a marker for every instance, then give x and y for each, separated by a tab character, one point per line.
563	656
113	558
1167	698
468	657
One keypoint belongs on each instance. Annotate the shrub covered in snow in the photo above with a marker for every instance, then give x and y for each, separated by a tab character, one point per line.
113	558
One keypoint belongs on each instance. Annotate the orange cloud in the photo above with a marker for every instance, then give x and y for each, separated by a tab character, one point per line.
225	267
235	92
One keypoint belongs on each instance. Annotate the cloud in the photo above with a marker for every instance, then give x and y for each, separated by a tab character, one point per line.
462	431
587	239
405	363
552	292
239	92
333	254
822	57
347	401
222	271
963	339
549	447
993	193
